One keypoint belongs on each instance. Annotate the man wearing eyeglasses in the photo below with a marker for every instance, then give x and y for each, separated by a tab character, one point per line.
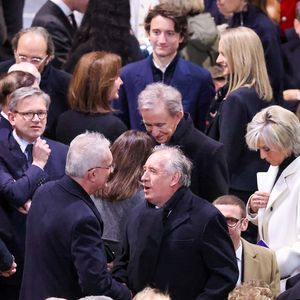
65	255
35	45
254	262
27	160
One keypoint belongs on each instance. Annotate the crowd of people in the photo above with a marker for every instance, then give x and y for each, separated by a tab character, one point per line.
164	174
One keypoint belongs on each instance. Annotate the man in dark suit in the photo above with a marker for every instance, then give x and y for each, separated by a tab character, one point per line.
26	162
175	241
167	31
58	18
35	45
65	254
161	109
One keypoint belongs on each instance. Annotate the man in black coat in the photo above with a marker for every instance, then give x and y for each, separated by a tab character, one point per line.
58	18
176	241
161	109
35	45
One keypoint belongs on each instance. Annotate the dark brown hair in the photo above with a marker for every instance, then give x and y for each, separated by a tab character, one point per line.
231	200
92	80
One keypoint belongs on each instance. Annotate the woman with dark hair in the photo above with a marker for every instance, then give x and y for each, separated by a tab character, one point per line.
105	27
123	191
95	83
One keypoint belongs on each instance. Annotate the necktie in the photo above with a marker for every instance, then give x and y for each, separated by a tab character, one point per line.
73	21
28	151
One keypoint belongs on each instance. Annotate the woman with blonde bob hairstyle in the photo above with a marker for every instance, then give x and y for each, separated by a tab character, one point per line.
94	84
275	133
241	57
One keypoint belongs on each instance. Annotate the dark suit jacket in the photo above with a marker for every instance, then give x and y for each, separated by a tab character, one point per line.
5	128
210	172
236	112
193	82
6	258
292	293
55	83
18	183
183	248
64	251
51	17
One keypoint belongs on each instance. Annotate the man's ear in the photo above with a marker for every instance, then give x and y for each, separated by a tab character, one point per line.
244	224
11	118
175	179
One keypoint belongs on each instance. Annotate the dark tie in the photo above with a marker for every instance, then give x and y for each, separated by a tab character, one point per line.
73	21
28	151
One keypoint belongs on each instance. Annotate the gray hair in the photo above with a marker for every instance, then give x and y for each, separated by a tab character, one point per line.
85	152
39	31
277	127
171	97
25	92
178	162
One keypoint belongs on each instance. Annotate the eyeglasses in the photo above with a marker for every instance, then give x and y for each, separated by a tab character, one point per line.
34	60
29	115
111	168
233	222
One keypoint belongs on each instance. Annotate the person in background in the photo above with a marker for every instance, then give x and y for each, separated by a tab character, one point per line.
151	294
123	191
94	85
105	27
274	207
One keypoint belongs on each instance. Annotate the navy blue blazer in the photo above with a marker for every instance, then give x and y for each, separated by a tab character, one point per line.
65	254
183	248
5	128
193	82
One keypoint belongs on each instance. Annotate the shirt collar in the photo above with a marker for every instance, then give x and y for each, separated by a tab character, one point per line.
239	252
63	6
166	66
4	115
22	143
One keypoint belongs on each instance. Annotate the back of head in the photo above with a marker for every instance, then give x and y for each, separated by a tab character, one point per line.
28	68
154	92
130	152
244	52
174	13
231	200
189	7
151	294
85	152
88	95
278	127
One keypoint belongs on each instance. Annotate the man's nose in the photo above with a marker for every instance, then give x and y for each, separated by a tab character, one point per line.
35	118
162	38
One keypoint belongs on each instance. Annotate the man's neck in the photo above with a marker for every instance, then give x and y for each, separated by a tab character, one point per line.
162	62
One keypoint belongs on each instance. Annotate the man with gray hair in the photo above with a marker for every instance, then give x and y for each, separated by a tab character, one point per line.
176	241
27	160
65	254
162	113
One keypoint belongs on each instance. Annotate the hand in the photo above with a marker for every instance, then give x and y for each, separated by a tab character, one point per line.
40	153
258	200
11	271
109	266
291	95
25	208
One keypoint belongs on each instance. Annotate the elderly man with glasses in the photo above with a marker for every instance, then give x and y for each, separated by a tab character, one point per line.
35	45
27	160
254	262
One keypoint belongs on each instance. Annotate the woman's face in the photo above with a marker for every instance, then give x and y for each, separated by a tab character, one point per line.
222	60
273	156
114	90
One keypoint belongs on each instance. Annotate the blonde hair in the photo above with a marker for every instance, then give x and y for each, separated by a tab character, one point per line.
151	294
187	6
245	58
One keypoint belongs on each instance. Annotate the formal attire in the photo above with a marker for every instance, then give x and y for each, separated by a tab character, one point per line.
57	22
18	182
5	126
209	178
55	83
279	223
183	248
193	82
72	123
259	263
65	256
6	259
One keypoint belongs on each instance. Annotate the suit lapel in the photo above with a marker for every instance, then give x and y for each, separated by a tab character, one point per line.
250	261
144	74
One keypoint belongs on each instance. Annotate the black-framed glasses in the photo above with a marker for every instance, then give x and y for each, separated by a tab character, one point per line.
233	222
111	168
34	60
29	115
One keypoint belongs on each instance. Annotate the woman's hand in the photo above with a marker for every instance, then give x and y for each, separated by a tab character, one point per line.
258	200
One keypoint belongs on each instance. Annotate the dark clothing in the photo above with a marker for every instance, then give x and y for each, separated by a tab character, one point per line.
293	289
72	123
55	83
65	256
209	178
6	258
236	111
193	82
52	18
87	46
270	38
211	7
183	248
5	128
